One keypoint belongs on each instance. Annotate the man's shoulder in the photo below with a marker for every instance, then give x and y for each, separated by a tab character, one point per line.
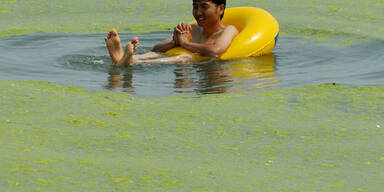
231	28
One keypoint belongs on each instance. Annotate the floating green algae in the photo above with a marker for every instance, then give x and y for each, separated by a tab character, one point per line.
342	21
312	138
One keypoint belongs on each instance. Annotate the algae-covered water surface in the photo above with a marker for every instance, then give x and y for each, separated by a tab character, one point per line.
313	138
308	117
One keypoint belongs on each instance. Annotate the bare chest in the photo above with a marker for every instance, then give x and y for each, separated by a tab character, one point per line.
199	37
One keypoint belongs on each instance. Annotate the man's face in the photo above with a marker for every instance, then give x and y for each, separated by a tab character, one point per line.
206	12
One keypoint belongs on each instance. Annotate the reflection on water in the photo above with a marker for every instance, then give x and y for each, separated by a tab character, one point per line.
185	79
210	76
243	74
116	81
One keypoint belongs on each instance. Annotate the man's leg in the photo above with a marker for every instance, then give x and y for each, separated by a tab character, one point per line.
130	59
149	55
171	60
121	58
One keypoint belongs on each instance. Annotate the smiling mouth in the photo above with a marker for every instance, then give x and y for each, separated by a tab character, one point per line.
200	20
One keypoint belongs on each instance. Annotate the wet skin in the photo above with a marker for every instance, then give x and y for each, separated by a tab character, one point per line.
207	37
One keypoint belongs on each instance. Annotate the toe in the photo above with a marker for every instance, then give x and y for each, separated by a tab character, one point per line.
135	40
113	32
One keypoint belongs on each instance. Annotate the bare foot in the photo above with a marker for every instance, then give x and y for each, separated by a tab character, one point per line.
135	43
113	43
128	58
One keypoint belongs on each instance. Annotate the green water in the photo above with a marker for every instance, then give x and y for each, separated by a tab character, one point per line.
308	138
342	20
313	138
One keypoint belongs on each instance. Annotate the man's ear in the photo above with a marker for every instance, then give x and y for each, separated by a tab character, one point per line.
221	8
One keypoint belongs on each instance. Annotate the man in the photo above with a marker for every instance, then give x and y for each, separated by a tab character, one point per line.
207	37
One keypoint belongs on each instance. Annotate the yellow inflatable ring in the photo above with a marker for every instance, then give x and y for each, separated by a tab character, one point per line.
258	34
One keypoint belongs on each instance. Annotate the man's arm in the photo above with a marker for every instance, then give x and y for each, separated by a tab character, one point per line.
164	45
214	49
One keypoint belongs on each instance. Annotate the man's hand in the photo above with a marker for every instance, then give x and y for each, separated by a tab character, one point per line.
182	34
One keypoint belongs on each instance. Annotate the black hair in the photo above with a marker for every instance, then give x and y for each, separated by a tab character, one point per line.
218	2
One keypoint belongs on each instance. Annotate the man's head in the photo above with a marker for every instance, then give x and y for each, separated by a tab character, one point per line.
208	9
217	2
